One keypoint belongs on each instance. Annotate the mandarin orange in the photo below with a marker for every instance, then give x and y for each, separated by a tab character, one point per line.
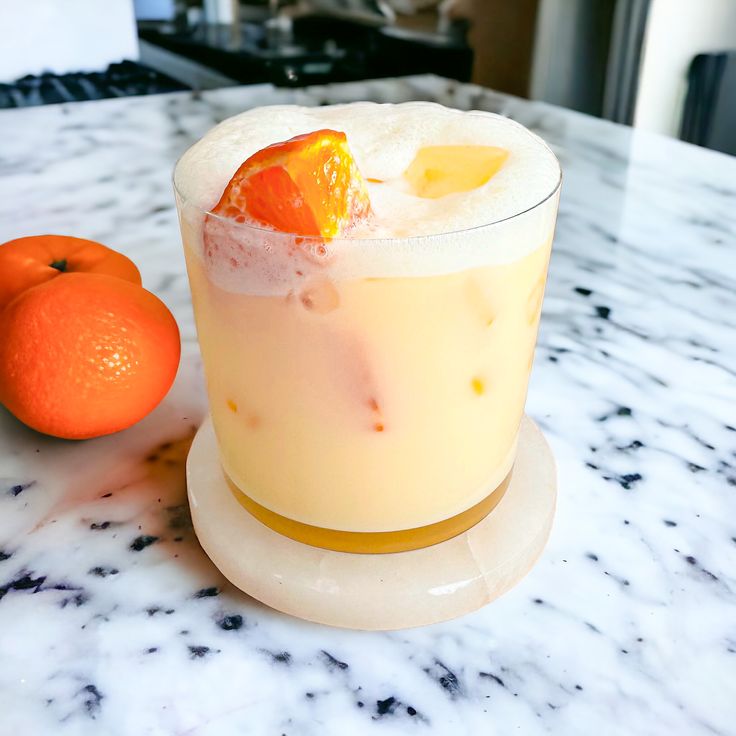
27	262
86	355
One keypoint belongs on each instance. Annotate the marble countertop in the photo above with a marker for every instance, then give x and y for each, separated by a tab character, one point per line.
113	621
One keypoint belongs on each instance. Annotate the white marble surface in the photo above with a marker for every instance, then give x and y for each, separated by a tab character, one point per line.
112	620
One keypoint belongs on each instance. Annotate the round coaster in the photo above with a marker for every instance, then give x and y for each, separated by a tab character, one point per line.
377	591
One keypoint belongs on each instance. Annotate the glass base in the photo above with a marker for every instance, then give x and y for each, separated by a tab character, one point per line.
372	542
376	592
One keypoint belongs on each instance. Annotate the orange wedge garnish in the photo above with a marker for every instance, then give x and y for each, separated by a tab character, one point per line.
309	185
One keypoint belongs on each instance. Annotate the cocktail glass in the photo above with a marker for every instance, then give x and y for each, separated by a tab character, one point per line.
367	395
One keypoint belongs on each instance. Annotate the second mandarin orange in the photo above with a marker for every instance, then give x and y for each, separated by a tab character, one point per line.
86	355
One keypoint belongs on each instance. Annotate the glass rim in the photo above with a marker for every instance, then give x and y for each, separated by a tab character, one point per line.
253	227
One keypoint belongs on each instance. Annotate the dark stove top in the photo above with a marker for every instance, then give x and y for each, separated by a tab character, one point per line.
316	50
124	79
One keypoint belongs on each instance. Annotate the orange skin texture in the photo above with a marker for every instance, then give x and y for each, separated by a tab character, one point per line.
86	355
26	262
309	185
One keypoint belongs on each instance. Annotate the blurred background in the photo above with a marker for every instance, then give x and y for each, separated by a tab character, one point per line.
662	65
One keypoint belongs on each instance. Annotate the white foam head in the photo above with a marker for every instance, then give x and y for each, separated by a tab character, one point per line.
407	234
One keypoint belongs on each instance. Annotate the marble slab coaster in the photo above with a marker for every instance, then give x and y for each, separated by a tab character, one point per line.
377	591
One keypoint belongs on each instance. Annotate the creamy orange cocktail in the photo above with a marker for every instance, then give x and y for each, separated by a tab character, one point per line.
367	387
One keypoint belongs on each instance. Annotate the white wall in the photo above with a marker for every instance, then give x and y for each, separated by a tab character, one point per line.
64	35
676	31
